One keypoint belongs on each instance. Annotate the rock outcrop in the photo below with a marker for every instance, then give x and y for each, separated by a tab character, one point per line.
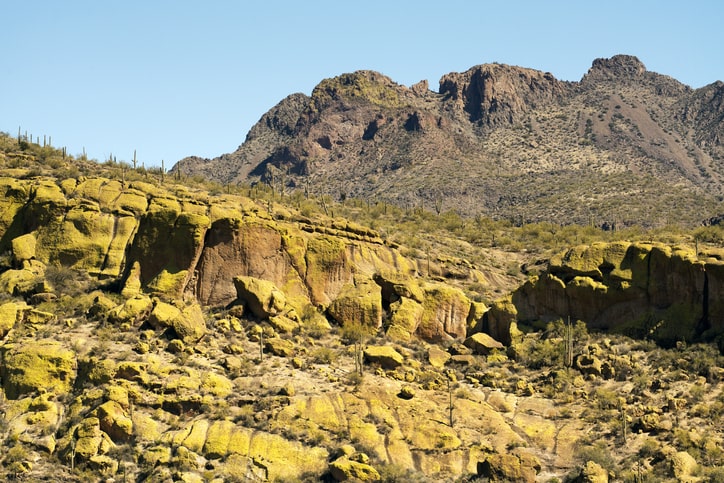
666	293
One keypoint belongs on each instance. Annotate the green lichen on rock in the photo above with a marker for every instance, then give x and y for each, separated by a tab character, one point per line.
359	303
445	313
44	366
23	247
363	85
327	268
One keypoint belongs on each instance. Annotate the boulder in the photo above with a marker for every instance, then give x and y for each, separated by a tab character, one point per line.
683	466
345	469
385	356
115	422
405	317
188	322
445	313
43	365
592	472
279	347
482	344
10	314
359	302
509	467
437	357
23	248
262	297
90	440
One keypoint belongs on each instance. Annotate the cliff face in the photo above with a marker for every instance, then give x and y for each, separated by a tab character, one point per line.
497	140
185	245
665	293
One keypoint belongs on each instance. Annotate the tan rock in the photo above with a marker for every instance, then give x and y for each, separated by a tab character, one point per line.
437	357
262	297
483	344
592	472
279	347
683	466
508	467
115	422
445	314
386	356
360	303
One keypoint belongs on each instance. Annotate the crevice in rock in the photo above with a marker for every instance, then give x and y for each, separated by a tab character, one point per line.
704	323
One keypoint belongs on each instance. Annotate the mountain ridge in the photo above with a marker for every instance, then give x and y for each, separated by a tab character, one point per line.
497	140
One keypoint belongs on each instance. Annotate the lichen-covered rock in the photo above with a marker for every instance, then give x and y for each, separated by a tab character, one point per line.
509	467
279	347
23	248
43	365
592	472
89	440
114	421
683	467
344	469
445	314
262	297
10	314
624	286
132	311
483	344
405	317
386	356
437	357
358	303
395	286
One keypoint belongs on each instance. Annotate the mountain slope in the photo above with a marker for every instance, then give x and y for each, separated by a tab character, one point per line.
498	140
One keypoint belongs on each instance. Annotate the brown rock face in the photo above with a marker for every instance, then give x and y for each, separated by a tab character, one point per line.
495	94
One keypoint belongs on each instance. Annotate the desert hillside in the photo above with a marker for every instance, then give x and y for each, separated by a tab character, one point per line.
159	327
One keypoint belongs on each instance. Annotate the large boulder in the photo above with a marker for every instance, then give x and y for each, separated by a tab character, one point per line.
359	303
344	469
482	344
36	366
10	314
445	313
262	297
405	317
386	356
509	467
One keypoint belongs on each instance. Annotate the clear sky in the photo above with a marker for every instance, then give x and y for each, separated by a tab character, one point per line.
173	78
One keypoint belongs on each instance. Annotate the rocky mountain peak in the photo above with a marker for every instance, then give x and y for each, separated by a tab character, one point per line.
617	67
495	94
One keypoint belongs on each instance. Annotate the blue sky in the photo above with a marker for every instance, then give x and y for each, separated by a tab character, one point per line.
173	78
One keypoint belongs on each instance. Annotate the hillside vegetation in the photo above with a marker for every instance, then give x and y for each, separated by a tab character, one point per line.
159	327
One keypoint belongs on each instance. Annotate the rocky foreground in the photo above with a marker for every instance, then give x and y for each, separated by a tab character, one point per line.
154	332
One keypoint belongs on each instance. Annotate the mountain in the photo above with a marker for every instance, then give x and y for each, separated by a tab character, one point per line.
623	146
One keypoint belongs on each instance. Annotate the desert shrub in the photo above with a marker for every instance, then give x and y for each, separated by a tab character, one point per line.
597	452
324	355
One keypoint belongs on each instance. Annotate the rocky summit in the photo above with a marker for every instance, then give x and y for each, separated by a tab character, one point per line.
156	327
497	140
